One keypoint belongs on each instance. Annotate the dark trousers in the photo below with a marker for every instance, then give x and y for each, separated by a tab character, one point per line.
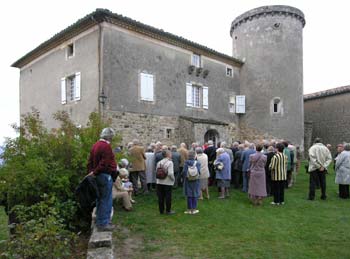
134	178
164	195
268	183
237	179
321	178
277	189
192	203
212	174
344	191
180	177
177	176
289	178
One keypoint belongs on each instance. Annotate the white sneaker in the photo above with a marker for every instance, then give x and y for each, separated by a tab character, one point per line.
188	212
273	203
195	212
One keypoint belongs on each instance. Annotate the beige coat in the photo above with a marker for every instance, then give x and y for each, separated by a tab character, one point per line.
137	159
203	160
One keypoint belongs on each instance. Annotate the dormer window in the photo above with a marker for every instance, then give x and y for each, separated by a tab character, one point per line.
196	60
70	50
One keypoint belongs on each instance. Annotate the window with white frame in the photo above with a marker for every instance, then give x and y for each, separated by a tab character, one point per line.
71	88
197	96
229	71
240	104
146	87
231	104
196	60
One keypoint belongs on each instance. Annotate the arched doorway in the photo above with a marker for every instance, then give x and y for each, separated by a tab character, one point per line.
213	135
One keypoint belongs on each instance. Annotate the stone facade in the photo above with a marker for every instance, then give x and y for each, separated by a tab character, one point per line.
169	129
329	113
112	53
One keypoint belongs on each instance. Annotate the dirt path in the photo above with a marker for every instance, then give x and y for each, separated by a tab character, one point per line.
132	246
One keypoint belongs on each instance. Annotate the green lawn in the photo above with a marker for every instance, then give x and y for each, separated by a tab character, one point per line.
233	228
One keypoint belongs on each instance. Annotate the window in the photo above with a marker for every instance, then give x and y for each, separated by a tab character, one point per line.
168	133
70	88
240	104
197	96
232	104
196	60
146	87
276	106
70	50
229	71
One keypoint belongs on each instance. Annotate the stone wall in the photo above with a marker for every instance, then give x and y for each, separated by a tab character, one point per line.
150	128
254	135
308	137
147	128
330	116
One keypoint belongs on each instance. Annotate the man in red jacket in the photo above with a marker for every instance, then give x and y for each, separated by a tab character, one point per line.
102	165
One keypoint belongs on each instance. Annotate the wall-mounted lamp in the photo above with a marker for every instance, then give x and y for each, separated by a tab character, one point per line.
102	98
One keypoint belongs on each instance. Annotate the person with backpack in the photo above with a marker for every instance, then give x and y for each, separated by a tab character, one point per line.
191	176
165	181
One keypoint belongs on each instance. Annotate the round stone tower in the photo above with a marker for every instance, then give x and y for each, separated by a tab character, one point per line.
269	40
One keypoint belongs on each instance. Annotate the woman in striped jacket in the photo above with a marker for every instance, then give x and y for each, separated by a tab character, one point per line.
278	167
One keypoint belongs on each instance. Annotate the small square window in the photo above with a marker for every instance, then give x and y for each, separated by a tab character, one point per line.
229	71
70	50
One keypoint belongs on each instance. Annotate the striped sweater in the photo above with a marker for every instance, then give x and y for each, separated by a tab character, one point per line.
278	167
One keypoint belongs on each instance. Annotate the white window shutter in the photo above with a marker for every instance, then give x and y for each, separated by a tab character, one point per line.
240	104
77	90
150	90
189	101
63	91
205	97
146	88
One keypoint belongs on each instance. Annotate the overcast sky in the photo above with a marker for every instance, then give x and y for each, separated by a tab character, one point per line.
26	24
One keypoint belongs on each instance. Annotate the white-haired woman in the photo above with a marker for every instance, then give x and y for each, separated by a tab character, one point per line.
342	170
203	178
122	189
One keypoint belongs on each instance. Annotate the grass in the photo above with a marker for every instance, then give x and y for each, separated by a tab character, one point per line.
233	228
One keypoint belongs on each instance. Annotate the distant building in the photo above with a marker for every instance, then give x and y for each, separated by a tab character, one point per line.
155	85
327	115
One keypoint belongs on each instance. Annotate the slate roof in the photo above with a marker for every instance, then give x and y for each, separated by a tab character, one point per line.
104	15
326	93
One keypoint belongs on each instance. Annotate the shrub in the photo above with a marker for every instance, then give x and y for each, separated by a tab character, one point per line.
39	176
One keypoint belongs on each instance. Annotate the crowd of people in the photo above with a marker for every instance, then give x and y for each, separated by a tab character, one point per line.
261	169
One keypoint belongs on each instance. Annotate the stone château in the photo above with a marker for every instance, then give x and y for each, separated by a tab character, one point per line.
155	85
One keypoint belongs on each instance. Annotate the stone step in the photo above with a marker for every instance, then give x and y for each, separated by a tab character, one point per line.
100	239
100	253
